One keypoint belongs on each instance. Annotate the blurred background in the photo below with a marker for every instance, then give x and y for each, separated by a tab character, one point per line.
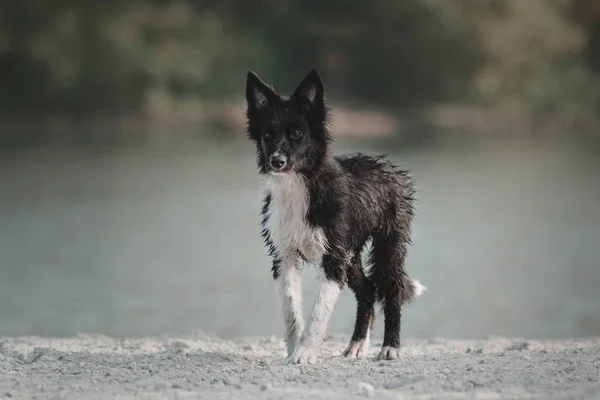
129	196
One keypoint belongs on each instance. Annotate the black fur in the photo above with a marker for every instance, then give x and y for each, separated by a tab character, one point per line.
352	198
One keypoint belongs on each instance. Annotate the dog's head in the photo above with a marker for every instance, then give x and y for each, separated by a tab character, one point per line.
290	132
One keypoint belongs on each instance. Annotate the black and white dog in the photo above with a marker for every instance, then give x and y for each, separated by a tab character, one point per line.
322	209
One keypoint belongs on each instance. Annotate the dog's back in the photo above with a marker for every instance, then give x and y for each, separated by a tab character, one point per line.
377	196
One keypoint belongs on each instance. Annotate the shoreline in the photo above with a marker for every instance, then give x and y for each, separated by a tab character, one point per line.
202	366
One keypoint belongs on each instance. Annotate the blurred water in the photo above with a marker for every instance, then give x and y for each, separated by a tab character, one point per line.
507	240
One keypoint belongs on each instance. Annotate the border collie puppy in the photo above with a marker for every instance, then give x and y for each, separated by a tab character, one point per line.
322	209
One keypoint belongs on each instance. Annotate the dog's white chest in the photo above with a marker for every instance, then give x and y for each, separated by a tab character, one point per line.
286	221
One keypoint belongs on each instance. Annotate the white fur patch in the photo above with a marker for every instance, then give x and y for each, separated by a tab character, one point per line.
303	355
358	348
388	353
327	297
287	223
289	288
290	232
316	328
418	287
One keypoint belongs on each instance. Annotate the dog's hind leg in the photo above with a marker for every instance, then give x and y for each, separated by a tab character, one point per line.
388	255
364	291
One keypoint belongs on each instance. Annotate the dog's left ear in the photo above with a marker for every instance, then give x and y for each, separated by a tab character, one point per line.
310	91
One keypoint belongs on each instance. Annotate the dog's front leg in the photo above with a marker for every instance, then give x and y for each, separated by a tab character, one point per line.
330	287
288	281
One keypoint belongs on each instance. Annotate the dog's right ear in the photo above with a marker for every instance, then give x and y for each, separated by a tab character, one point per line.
258	93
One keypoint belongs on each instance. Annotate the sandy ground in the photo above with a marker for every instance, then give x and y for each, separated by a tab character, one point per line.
203	367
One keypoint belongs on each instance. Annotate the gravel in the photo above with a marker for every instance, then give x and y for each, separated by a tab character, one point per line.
204	367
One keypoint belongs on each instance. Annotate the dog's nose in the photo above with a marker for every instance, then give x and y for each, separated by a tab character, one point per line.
277	161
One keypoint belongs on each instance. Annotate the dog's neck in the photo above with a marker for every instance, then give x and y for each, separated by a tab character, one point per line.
321	169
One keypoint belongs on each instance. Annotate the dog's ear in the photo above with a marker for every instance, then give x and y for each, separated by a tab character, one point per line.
258	93
310	91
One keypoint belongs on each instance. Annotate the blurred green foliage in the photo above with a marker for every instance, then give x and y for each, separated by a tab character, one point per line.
112	57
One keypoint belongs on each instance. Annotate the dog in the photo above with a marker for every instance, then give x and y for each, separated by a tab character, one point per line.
323	209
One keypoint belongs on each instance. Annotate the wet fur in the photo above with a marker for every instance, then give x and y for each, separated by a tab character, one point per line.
324	209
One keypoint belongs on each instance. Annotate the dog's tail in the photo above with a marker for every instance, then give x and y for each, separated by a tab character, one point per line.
412	290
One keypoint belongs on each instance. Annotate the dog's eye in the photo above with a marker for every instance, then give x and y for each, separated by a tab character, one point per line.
267	135
296	134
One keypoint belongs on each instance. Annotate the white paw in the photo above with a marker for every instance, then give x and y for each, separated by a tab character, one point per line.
303	355
388	353
357	348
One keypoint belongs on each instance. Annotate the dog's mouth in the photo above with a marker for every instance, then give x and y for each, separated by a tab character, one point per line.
282	171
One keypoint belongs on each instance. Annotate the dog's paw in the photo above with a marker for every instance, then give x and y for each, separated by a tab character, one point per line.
356	348
388	353
302	355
